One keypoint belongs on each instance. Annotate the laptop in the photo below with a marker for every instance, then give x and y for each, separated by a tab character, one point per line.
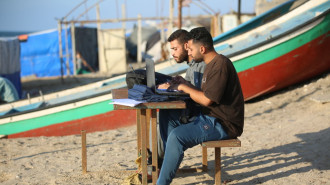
151	82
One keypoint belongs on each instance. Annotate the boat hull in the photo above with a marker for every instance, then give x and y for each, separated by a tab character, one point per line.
106	121
289	58
302	63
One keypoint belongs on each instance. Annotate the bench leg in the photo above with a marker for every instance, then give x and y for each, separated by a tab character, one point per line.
217	151
204	157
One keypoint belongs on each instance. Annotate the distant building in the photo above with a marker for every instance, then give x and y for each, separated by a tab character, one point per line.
264	5
230	20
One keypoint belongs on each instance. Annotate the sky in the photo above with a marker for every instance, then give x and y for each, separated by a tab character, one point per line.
40	15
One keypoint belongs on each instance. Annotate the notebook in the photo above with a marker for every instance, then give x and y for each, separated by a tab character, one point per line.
151	81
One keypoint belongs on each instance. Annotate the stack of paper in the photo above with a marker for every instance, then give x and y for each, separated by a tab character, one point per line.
126	102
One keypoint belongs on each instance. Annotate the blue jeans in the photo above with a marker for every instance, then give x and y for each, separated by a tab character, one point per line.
179	137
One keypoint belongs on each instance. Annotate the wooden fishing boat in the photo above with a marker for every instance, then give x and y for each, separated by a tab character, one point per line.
70	111
268	57
285	51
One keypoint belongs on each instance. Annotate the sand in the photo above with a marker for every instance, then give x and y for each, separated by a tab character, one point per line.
285	141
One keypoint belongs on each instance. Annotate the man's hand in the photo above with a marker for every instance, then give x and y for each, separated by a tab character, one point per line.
173	84
164	85
168	85
179	80
195	94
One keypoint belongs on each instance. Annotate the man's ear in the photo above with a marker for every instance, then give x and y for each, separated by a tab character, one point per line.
185	46
202	49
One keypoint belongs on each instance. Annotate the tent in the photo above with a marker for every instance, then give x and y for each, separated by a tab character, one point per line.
10	66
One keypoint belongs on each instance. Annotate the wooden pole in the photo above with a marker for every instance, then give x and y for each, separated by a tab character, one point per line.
170	22
170	25
73	42
139	41
60	52
179	14
67	51
83	151
98	17
212	25
96	4
123	14
73	9
103	65
239	13
215	26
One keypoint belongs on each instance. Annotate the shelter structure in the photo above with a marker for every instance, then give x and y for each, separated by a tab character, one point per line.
10	66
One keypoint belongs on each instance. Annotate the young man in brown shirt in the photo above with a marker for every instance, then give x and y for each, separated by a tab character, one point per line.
221	98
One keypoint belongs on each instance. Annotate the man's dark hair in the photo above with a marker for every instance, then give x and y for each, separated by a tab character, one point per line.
179	35
201	35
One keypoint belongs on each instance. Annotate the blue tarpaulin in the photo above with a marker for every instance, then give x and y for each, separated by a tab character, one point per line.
40	54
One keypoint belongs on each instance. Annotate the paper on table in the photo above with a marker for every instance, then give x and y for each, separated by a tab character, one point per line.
126	102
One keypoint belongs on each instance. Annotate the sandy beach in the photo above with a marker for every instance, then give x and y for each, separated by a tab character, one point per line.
285	141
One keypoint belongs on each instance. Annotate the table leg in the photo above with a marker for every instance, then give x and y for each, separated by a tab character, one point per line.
84	151
148	117
144	135
138	130
154	146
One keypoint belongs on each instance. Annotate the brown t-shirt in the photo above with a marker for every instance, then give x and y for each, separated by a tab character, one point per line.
221	85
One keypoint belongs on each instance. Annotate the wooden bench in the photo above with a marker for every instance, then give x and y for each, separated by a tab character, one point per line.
217	145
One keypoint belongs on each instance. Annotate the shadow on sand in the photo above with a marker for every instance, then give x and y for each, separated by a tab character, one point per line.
311	153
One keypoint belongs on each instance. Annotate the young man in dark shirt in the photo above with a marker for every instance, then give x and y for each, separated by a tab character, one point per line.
178	44
222	115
